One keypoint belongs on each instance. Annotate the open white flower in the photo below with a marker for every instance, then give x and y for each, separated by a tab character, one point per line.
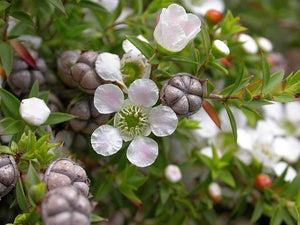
280	167
200	7
249	44
34	111
134	120
176	28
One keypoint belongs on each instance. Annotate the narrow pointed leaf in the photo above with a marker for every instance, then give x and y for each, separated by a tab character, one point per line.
34	92
4	5
218	67
22	52
14	128
22	16
238	84
6	56
11	103
58	4
258	210
232	121
92	5
58	117
210	110
266	73
20	195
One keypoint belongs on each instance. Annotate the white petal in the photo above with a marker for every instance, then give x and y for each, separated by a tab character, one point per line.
106	140
142	151
200	7
273	111
249	44
173	173
288	148
265	44
292	112
34	111
246	138
108	67
163	120
108	98
280	167
143	92
129	47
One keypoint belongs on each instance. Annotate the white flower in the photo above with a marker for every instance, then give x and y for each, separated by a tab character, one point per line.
109	5
173	173
34	111
280	167
249	44
288	148
176	28
220	49
134	120
200	7
265	44
208	151
128	47
239	116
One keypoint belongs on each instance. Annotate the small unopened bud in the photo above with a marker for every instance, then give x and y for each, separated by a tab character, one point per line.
173	173
66	205
64	172
220	49
215	192
265	44
34	111
8	174
263	181
213	16
183	93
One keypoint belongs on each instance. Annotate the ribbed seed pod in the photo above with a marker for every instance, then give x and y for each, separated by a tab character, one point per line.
8	174
183	93
23	76
77	69
64	172
87	116
66	205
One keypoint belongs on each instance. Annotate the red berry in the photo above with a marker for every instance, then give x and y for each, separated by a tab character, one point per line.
263	181
213	16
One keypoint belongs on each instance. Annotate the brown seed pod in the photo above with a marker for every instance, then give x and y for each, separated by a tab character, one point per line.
8	174
77	69
183	93
87	116
23	76
66	205
64	172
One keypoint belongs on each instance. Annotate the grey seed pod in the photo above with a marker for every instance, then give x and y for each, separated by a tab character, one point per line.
8	174
66	205
87	117
64	172
77	69
183	93
55	104
23	76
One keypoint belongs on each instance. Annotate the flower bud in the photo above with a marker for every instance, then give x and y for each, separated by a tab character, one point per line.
8	174
248	43
64	172
220	49
173	173
215	192
263	181
66	205
183	93
34	111
265	44
213	16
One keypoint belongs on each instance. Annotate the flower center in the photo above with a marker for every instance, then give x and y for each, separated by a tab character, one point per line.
132	121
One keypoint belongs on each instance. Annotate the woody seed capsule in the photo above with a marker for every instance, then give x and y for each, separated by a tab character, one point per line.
64	172
183	93
8	174
66	205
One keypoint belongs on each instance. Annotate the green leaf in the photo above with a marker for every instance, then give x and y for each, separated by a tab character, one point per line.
274	79
58	117
97	219
146	49
37	192
14	128
178	58
11	103
293	187
266	73
20	195
22	16
232	121
32	176
238	84
156	5
128	192
58	4
34	92
277	216
7	57
227	178
258	210
6	150
205	40
4	5
91	5
164	192
218	67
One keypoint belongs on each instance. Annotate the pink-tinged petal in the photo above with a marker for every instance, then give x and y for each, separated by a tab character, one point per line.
173	13
108	98
192	26
170	36
106	140
142	151
143	92
163	121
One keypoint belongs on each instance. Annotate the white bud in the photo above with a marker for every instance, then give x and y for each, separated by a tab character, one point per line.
249	44
173	173
265	44
215	192
220	49
34	111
